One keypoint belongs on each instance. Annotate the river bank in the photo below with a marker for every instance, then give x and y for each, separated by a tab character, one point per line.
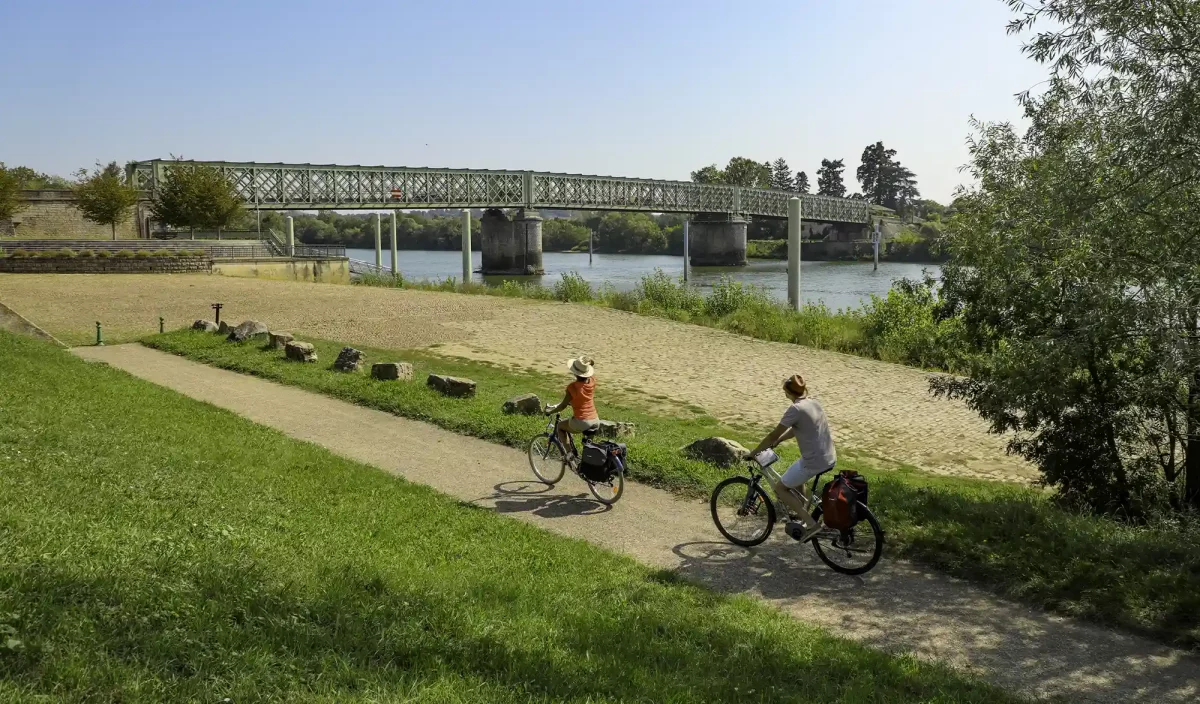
839	285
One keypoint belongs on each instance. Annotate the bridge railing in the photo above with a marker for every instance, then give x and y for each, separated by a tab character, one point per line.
303	251
307	186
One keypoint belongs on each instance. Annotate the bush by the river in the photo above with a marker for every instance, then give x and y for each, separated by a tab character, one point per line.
904	327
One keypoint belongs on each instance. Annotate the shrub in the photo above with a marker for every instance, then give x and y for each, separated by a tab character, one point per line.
573	289
67	252
87	253
676	300
163	253
509	289
20	253
729	296
49	254
903	327
124	254
143	254
104	254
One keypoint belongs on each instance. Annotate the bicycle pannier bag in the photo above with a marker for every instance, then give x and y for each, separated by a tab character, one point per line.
593	464
859	482
839	504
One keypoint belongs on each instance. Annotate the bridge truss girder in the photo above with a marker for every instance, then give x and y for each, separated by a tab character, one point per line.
330	187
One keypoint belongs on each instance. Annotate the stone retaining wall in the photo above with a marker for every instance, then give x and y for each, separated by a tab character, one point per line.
52	215
100	265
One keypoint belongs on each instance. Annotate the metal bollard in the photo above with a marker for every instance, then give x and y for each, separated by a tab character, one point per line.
160	325
217	307
99	335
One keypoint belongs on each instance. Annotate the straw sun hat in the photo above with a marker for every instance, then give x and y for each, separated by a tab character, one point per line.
795	384
582	367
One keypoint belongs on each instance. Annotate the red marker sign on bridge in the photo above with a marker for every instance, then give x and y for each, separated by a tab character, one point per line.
397	194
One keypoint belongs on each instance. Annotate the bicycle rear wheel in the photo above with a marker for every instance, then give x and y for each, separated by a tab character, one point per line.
742	511
610	491
546	459
853	551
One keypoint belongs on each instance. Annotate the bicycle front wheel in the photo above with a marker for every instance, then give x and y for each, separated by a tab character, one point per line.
742	511
546	459
853	551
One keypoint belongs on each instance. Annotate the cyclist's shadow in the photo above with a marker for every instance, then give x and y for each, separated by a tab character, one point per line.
778	569
536	498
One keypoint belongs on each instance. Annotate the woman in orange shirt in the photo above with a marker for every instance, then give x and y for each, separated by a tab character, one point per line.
579	396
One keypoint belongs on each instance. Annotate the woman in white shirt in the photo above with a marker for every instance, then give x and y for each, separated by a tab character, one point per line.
804	420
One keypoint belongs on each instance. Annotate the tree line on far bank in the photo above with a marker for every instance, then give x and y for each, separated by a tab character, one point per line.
883	179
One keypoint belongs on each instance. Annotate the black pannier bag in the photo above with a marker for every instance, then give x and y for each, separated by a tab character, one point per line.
599	460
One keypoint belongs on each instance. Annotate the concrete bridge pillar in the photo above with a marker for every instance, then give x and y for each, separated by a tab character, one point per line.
717	239
511	245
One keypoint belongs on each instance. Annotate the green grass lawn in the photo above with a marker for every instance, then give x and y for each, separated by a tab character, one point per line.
159	549
1008	538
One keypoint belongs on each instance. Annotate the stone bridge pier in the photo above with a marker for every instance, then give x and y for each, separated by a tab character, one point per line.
512	245
717	239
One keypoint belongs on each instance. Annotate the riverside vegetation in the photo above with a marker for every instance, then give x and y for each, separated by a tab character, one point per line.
1013	539
159	549
903	327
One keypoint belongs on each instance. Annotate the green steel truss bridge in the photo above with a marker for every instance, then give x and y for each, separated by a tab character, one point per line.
331	187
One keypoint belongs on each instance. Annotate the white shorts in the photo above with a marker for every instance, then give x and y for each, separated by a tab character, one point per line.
798	474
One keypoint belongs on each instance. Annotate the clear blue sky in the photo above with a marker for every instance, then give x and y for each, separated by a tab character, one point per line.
614	87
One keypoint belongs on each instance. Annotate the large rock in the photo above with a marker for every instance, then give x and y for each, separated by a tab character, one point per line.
611	429
525	404
224	328
392	371
247	330
719	451
279	340
205	325
300	352
349	360
451	385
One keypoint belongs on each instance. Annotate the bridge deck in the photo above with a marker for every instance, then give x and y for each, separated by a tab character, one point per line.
308	186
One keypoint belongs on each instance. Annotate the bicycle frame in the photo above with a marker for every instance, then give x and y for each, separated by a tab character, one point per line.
552	430
758	472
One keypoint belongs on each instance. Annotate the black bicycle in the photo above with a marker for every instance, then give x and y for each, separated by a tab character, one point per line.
549	461
745	515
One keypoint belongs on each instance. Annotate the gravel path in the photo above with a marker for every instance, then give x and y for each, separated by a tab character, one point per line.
882	409
898	607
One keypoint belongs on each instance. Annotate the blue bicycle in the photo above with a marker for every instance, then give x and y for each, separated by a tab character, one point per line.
549	460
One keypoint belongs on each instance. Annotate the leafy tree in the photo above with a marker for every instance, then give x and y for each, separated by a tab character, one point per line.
708	174
1075	265
10	193
221	201
35	180
192	196
104	197
781	176
829	178
628	232
876	174
747	173
801	182
740	171
884	180
561	235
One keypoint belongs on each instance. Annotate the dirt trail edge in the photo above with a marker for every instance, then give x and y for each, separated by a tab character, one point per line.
899	607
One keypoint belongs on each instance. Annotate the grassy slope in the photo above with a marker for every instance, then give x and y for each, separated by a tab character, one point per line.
159	549
1004	537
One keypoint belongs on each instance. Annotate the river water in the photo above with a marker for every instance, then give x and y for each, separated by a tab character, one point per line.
837	284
